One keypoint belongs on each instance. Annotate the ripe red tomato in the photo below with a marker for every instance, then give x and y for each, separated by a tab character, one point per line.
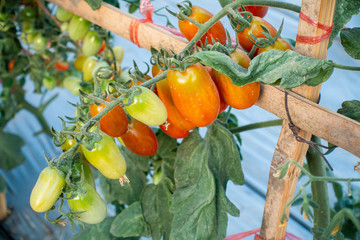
280	44
61	66
173	131
195	94
259	11
140	139
102	48
223	104
114	123
236	96
256	30
174	116
11	65
200	15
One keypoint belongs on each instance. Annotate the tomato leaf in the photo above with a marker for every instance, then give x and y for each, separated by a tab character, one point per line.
10	151
155	202
167	153
130	222
287	69
140	162
193	203
350	39
94	4
97	231
2	184
128	193
344	10
351	109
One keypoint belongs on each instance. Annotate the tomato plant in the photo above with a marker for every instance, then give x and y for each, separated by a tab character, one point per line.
140	139
195	94
114	123
61	65
147	108
81	171
39	43
87	68
254	30
63	15
88	206
239	97
200	15
106	157
280	44
49	82
259	11
79	62
73	84
47	189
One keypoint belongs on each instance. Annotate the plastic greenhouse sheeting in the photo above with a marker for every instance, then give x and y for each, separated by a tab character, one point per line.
257	146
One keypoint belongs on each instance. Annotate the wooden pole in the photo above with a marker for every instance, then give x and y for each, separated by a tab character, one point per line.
4	212
280	191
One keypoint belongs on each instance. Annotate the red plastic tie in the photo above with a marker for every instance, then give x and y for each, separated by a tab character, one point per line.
314	39
242	235
146	9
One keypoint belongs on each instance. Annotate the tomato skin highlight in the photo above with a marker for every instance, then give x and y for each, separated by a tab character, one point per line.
174	116
200	15
259	11
114	123
147	108
195	94
140	139
46	190
239	97
106	157
280	44
172	131
256	30
91	206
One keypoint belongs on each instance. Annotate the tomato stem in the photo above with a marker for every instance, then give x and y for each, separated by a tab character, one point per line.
271	123
319	190
345	67
270	3
38	114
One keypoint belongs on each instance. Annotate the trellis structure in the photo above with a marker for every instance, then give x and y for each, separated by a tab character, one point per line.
309	117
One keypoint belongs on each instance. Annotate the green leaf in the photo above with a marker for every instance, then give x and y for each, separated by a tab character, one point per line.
193	203
337	190
351	109
141	162
155	202
10	151
344	10
2	184
128	193
129	223
350	39
94	4
287	69
97	231
115	3
167	153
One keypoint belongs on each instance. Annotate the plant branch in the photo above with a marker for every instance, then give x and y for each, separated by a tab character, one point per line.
252	126
345	67
48	13
38	114
270	3
319	190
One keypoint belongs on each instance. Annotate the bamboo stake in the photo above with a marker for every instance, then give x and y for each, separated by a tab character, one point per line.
4	212
280	192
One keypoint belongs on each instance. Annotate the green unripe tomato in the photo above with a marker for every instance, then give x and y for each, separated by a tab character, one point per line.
39	43
49	83
147	108
106	157
47	189
63	15
88	204
28	13
65	26
92	43
87	68
78	28
118	52
73	84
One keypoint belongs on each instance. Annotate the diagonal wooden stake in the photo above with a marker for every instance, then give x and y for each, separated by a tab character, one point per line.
280	192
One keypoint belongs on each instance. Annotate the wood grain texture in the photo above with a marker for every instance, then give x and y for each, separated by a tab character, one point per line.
4	211
281	191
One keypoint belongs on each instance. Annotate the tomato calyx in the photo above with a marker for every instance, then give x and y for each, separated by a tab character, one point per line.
185	11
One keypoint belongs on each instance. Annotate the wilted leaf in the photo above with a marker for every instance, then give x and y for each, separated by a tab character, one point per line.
10	150
287	69
350	39
351	109
129	223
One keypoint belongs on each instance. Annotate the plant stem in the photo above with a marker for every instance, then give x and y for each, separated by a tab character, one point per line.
319	190
252	126
353	68
270	3
38	114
